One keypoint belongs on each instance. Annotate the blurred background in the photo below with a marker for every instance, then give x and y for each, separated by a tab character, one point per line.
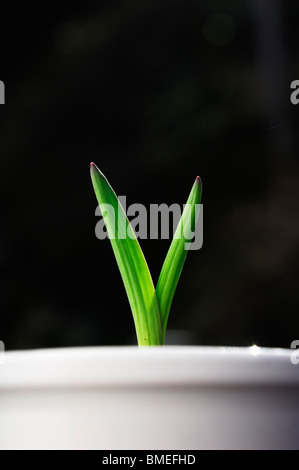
154	93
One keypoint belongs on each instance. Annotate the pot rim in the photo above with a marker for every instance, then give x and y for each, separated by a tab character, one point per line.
127	366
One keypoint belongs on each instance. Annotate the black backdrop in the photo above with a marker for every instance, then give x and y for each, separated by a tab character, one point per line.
155	92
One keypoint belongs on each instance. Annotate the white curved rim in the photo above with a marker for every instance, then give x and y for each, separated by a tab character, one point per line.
158	366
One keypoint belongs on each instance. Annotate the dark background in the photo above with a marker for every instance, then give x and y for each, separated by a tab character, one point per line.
155	92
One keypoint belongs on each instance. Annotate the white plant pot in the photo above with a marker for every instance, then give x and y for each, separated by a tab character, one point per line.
150	398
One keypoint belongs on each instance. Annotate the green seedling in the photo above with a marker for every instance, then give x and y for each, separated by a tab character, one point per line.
150	306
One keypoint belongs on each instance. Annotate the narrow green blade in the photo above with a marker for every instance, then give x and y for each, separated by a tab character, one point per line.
176	256
131	262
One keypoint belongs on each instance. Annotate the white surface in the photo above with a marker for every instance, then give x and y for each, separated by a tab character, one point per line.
149	398
131	365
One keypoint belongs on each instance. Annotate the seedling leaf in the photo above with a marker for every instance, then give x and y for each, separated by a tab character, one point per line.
176	256
131	262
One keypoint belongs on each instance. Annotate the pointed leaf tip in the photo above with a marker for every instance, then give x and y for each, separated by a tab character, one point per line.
93	168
